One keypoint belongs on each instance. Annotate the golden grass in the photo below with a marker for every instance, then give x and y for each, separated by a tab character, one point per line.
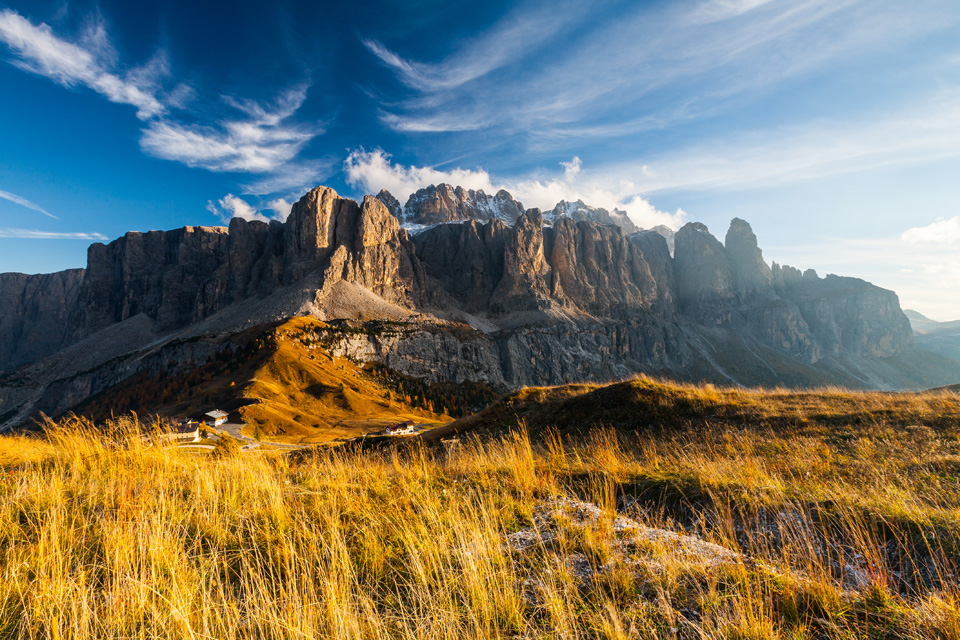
101	537
304	394
645	403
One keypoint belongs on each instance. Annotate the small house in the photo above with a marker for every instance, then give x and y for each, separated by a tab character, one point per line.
216	417
401	429
182	431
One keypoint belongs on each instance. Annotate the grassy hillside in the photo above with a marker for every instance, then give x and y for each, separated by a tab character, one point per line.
645	404
723	533
281	380
301	391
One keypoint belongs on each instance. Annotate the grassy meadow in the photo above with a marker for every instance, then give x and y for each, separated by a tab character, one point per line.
702	527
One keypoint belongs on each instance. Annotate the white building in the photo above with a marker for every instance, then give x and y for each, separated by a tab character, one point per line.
184	431
401	429
217	417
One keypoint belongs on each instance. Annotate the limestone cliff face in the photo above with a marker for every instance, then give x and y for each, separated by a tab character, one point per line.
380	256
176	278
159	273
752	276
391	203
575	266
798	314
849	314
704	275
546	304
526	272
579	211
34	314
600	270
445	203
465	259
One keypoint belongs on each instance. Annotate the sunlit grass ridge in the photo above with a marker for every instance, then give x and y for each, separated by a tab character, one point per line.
731	532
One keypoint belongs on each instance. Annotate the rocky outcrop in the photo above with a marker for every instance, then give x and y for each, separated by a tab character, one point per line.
704	275
581	212
752	276
176	278
391	203
34	314
529	303
599	270
445	203
159	274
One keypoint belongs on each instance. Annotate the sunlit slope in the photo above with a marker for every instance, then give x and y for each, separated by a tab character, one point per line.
282	383
300	390
646	404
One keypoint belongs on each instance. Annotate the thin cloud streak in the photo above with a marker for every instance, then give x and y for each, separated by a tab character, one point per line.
663	62
511	39
263	141
23	202
69	64
802	153
34	234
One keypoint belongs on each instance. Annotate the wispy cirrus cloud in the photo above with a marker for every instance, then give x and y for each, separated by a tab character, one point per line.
260	143
790	154
512	38
645	68
23	202
253	137
714	10
374	170
35	234
88	62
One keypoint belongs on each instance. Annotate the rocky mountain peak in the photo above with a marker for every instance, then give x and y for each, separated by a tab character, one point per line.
667	233
445	203
391	203
578	300
751	273
580	211
703	271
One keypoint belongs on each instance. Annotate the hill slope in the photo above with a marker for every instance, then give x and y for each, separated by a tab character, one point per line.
644	404
281	379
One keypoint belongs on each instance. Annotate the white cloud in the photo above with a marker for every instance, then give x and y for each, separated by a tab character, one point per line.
571	169
667	62
262	141
942	231
242	146
374	170
7	232
231	206
86	63
280	207
23	202
927	132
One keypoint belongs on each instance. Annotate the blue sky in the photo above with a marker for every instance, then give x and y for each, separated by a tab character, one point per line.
832	126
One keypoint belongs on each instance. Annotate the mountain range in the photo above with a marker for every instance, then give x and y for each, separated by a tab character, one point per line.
473	288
